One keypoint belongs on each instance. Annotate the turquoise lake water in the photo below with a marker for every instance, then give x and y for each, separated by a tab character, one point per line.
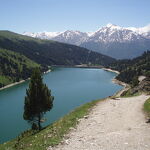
71	87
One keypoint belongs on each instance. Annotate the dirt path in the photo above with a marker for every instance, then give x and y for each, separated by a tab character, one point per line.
112	125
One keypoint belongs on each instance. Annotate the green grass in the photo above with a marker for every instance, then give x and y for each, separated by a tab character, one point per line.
5	80
17	58
14	37
147	107
14	67
52	134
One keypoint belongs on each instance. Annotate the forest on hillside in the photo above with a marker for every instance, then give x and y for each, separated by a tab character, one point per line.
47	52
130	70
14	67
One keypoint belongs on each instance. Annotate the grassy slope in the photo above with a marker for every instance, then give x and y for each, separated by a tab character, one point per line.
129	94
15	57
52	134
14	67
47	52
147	107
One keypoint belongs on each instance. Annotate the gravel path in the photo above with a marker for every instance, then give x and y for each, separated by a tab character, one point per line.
112	125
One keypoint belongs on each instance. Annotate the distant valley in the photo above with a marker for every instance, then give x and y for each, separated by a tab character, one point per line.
112	40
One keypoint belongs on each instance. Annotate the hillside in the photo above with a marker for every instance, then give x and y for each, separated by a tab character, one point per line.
14	67
46	52
130	70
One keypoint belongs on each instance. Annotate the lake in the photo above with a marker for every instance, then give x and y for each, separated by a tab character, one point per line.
71	87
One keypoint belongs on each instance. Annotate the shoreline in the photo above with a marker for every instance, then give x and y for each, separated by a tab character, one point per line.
125	87
21	81
110	70
77	66
13	84
49	70
115	81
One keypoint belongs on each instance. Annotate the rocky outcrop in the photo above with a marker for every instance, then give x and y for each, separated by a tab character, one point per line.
144	86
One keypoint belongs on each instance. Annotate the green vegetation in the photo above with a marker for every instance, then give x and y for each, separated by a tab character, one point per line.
14	67
130	70
5	80
128	93
147	107
5	34
37	101
47	53
52	134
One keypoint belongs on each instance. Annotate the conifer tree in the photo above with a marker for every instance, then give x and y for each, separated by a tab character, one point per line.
38	100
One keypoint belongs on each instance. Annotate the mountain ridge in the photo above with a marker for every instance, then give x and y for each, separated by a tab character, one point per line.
143	31
48	52
112	40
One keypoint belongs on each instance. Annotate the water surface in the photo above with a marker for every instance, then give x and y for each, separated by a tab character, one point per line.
71	87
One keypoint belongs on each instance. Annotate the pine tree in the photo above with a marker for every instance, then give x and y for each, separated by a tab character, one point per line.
38	100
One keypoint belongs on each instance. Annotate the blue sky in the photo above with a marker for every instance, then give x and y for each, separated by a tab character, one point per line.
60	15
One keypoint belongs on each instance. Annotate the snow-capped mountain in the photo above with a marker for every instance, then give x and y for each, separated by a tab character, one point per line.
42	35
71	37
115	41
113	33
144	31
109	33
118	42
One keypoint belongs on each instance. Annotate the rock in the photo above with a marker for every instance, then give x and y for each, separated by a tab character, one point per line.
85	117
67	142
144	86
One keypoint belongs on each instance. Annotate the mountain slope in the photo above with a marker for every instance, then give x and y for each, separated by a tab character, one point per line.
46	52
112	40
144	31
14	67
117	42
72	37
130	70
